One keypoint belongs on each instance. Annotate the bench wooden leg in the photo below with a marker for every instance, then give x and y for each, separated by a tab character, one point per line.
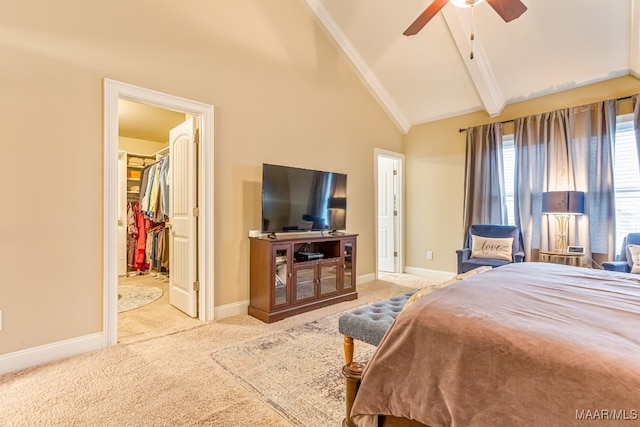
348	350
353	374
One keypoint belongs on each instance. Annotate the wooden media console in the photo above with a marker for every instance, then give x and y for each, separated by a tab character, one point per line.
293	274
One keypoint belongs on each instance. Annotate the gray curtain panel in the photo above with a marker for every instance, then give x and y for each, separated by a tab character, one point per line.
568	149
484	177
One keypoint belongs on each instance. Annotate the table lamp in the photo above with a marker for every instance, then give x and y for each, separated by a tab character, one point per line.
562	204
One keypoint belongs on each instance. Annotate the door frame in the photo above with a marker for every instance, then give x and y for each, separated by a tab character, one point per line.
113	91
398	158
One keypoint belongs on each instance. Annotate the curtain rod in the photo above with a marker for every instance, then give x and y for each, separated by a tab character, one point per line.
624	98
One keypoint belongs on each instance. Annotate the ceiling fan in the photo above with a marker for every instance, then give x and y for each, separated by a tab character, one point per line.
507	9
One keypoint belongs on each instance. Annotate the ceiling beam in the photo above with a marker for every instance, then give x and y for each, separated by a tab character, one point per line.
634	42
479	67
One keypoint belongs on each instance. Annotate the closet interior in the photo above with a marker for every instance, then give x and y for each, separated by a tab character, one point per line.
147	207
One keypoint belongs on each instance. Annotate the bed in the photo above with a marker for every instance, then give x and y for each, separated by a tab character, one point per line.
524	344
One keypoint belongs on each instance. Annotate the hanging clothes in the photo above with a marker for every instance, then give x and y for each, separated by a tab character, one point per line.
154	209
154	191
132	233
144	181
162	254
145	191
164	186
140	260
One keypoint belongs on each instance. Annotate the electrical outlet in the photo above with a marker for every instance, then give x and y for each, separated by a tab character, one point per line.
429	255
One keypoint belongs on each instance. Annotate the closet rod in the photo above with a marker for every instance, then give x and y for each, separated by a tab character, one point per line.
624	98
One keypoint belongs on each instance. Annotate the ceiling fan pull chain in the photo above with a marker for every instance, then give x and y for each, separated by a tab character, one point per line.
472	36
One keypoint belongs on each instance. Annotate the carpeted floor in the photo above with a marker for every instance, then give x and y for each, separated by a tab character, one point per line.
189	378
403	279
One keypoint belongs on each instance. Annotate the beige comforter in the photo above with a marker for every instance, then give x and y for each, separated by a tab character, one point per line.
527	344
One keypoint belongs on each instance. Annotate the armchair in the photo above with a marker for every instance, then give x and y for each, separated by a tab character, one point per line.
483	234
624	261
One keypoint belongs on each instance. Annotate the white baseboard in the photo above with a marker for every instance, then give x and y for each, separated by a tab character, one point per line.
59	350
233	309
431	274
365	278
50	352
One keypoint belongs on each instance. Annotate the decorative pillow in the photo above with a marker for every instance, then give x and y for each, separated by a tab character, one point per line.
415	297
494	248
634	251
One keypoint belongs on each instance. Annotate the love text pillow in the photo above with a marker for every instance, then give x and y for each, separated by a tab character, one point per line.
489	247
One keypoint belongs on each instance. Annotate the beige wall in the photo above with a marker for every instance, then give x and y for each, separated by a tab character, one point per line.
283	94
140	146
435	158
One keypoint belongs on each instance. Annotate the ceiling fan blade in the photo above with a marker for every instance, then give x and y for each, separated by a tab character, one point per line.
508	9
425	17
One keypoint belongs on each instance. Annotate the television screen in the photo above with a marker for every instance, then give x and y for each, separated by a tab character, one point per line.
296	199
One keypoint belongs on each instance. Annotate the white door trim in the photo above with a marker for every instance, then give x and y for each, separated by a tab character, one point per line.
399	158
113	91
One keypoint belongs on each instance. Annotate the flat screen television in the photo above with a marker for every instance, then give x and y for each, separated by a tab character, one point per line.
296	199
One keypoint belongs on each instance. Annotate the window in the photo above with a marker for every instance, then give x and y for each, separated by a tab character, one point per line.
626	176
625	171
509	164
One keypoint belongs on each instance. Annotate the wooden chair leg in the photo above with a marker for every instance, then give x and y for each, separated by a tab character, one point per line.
353	374
348	350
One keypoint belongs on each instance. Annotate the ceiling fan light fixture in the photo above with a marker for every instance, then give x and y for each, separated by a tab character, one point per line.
465	3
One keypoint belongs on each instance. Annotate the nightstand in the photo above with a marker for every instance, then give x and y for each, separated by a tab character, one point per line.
567	258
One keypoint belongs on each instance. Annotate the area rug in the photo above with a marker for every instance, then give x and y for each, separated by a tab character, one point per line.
409	280
297	371
135	296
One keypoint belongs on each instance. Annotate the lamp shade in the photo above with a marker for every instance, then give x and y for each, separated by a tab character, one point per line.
565	202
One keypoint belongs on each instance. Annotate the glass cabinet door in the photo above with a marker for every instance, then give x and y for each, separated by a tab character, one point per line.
328	278
305	282
347	267
282	276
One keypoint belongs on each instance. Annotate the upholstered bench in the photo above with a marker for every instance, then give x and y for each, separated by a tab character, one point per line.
370	323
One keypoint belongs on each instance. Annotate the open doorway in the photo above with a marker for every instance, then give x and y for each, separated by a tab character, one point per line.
196	209
151	301
389	172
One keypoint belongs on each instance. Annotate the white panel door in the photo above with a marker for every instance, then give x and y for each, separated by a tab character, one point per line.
182	203
386	236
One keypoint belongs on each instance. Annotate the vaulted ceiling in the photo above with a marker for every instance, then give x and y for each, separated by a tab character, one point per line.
554	46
